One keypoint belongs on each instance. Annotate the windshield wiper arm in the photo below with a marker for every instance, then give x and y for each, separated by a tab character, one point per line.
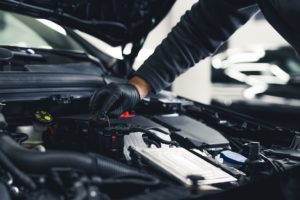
37	53
27	55
72	54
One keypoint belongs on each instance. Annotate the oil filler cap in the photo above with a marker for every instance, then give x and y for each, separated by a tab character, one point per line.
233	158
43	117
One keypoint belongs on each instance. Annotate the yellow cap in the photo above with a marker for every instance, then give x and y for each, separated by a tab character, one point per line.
43	117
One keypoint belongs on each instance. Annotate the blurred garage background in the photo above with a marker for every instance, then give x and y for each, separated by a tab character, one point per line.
256	72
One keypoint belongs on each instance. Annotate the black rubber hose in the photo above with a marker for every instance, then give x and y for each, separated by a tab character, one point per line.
41	162
140	180
23	178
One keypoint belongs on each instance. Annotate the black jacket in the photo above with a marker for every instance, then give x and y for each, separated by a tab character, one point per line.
206	26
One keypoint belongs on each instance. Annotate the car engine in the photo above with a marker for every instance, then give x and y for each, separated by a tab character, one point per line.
167	148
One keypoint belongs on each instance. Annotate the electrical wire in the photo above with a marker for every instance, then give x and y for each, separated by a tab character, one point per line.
158	129
155	137
271	162
150	142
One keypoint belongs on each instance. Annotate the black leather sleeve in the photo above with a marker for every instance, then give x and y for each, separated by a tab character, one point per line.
199	33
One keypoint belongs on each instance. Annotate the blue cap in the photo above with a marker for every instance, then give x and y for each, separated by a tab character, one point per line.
232	157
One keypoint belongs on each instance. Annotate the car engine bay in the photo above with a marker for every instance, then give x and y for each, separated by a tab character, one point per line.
168	147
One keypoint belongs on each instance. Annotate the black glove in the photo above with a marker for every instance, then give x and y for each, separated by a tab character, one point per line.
114	99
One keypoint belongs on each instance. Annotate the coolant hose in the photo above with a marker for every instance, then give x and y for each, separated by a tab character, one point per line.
40	162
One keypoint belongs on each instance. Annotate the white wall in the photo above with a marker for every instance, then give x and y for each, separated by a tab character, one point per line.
256	33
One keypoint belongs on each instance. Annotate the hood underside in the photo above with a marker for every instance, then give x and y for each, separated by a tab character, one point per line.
117	22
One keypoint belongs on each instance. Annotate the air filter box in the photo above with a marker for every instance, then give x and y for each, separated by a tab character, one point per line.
193	133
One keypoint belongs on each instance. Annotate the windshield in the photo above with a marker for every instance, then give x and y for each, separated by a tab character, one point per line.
22	31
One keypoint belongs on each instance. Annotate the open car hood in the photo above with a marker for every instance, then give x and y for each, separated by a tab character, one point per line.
113	21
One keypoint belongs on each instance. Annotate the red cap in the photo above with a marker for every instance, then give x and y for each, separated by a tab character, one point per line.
127	115
113	138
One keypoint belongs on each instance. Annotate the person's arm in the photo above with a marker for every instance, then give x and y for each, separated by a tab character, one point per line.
141	85
198	34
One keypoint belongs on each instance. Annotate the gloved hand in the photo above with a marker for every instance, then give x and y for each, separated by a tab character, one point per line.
114	99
